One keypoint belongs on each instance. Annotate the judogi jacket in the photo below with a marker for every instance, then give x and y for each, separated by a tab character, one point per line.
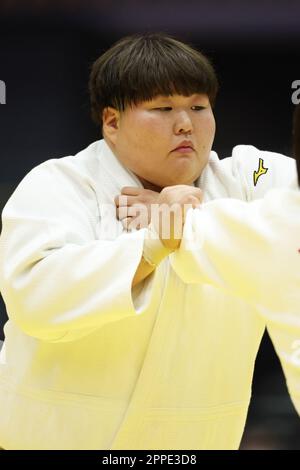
88	362
253	251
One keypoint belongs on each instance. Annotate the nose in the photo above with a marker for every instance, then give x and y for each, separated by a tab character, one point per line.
183	123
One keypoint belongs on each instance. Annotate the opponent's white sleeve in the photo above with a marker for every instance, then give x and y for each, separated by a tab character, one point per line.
57	279
253	251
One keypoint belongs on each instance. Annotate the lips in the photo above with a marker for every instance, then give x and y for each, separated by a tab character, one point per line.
185	144
184	147
184	150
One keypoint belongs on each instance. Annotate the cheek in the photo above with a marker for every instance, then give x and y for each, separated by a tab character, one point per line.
207	128
148	130
143	143
211	124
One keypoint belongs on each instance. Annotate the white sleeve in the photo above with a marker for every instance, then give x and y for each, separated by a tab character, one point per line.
252	250
58	281
244	247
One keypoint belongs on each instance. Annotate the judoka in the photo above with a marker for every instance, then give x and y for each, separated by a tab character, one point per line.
106	347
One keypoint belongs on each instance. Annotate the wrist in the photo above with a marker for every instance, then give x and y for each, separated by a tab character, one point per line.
154	251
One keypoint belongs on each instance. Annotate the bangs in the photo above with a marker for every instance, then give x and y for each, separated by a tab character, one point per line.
154	70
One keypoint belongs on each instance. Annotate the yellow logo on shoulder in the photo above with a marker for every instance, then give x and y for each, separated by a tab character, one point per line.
261	171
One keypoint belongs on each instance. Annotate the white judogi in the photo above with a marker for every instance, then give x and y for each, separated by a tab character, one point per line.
253	251
86	364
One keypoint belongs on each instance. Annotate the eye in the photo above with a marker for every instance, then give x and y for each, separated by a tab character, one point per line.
199	108
163	109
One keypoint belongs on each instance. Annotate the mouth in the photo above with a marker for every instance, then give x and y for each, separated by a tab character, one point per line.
185	146
184	149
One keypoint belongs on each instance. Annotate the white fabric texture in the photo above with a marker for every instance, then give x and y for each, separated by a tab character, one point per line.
253	251
88	364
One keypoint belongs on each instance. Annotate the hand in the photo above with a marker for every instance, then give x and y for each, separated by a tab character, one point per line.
173	204
134	207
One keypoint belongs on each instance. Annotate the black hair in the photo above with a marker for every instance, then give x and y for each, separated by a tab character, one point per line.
141	66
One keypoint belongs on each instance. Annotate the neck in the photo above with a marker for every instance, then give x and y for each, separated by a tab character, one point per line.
153	187
148	185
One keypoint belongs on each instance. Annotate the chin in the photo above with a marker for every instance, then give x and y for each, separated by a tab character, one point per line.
181	180
185	176
172	181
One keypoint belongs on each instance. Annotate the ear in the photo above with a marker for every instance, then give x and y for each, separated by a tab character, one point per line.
110	120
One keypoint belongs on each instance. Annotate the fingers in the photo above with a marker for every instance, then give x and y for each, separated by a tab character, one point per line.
127	211
130	196
136	207
194	201
131	191
123	200
137	215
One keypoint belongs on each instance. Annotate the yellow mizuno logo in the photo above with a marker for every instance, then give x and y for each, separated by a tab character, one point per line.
261	171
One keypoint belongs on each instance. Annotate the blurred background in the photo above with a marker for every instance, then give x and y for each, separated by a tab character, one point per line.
46	51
